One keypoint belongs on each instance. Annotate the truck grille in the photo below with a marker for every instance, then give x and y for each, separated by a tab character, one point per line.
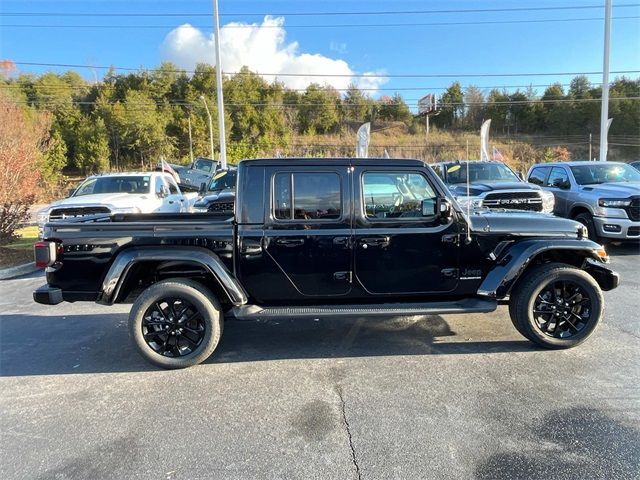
633	210
530	201
75	212
221	207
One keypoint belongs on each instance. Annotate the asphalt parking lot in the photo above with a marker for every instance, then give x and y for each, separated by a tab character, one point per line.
420	397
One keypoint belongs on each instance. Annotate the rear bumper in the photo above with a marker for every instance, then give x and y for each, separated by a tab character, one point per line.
47	295
606	278
617	228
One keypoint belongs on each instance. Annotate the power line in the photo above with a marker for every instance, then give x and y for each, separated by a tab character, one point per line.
331	75
397	89
311	14
316	26
184	103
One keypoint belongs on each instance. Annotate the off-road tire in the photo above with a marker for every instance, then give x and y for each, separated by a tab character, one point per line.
196	294
534	281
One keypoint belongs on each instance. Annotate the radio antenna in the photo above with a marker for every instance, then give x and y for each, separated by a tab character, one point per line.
468	200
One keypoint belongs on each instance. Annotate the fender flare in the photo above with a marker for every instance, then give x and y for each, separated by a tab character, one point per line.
121	267
500	280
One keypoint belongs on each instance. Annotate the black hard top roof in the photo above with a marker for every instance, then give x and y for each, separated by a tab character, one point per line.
403	162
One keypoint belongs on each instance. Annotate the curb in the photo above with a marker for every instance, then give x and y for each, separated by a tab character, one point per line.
8	273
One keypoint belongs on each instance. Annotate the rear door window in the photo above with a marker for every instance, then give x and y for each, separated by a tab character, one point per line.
538	175
557	177
307	196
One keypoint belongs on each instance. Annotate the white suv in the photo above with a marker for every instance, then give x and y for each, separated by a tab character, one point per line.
152	192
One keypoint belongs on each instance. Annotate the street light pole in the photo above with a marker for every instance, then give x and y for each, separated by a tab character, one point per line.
210	124
604	111
190	139
223	143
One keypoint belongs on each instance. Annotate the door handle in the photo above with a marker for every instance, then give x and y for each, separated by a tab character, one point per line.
171	202
290	242
374	242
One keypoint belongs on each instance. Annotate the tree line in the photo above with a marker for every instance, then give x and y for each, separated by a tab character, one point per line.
132	120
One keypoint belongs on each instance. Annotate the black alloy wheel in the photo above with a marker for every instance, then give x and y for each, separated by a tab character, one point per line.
562	309
556	305
176	323
173	327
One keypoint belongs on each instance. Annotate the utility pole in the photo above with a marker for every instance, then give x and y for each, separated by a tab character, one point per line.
590	138
204	100
604	112
223	143
190	139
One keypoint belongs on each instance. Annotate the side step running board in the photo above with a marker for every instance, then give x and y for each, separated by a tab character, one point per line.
469	305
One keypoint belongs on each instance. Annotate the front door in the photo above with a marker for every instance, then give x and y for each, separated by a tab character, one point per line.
399	250
307	238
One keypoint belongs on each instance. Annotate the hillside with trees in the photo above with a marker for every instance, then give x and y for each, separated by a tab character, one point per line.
134	119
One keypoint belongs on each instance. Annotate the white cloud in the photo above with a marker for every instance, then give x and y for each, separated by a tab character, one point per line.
262	48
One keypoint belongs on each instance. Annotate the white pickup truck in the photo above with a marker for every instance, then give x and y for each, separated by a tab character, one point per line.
152	192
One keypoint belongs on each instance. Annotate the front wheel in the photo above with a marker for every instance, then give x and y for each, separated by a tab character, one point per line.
587	220
556	305
176	323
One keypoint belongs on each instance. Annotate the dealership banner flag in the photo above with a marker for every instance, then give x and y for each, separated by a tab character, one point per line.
484	140
362	147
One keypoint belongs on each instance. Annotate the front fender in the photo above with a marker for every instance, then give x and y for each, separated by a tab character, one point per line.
500	280
126	259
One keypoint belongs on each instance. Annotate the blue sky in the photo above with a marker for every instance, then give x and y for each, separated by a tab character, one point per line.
451	49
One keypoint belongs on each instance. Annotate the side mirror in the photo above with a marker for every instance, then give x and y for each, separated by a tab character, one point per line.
203	189
429	207
164	191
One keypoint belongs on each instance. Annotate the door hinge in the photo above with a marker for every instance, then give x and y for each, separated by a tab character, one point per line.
342	277
449	272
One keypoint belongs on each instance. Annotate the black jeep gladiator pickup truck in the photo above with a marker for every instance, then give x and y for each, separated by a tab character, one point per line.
313	237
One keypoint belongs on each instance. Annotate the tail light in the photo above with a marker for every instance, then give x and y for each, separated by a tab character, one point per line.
47	253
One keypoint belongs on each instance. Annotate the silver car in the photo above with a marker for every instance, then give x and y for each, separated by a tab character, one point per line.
604	196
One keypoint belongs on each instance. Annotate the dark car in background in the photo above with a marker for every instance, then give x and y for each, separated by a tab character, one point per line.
219	194
492	184
603	196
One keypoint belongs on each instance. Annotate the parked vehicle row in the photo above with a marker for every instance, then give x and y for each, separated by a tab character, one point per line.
603	197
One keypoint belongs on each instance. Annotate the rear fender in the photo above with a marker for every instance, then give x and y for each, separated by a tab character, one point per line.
121	267
513	262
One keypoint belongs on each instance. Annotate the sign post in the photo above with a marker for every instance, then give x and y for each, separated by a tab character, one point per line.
428	107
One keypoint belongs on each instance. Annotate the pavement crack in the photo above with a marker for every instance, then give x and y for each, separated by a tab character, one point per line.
348	429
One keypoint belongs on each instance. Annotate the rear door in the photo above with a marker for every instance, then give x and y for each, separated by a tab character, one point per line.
307	234
397	250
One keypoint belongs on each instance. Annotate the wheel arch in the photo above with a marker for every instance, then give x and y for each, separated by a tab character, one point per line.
524	255
151	264
578	209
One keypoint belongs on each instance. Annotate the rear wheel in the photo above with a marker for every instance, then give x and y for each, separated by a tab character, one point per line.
176	323
556	305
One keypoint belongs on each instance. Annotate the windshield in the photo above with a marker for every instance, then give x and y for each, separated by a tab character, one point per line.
204	165
607	173
223	181
480	172
129	184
